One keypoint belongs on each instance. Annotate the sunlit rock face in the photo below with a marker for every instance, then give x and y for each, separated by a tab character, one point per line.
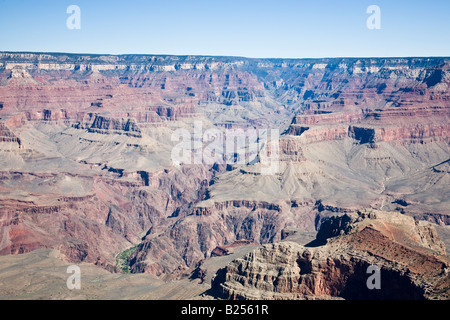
408	255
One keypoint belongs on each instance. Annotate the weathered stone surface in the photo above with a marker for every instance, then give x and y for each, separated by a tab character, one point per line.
409	255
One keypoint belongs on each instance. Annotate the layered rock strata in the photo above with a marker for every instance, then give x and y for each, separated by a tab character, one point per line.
409	256
86	164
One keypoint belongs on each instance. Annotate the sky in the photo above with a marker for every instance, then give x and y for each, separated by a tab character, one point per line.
247	28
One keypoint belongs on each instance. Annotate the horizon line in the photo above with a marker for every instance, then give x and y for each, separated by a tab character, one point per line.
221	56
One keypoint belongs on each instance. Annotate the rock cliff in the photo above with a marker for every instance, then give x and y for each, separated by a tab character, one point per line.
409	255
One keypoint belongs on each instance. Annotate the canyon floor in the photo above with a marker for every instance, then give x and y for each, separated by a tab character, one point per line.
42	274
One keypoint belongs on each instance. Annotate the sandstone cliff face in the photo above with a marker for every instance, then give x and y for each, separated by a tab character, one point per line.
409	256
404	107
197	235
102	124
6	135
95	227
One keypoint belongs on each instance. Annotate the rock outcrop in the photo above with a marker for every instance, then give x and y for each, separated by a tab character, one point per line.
409	256
104	125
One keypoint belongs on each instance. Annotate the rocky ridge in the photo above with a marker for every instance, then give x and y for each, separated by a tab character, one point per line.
410	257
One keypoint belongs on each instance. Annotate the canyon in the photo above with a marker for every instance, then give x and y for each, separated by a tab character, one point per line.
87	173
408	254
